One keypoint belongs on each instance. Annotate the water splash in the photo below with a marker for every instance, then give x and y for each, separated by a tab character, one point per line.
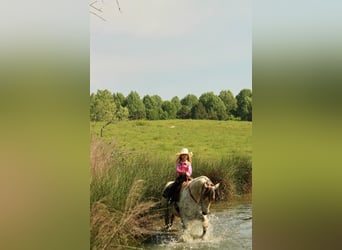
229	228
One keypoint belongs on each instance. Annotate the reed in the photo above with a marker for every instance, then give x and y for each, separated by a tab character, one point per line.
111	228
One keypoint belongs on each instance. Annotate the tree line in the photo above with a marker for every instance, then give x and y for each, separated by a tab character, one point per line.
108	107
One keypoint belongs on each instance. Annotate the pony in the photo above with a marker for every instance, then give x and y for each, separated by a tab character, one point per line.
194	203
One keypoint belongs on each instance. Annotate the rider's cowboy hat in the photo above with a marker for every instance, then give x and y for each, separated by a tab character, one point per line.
185	151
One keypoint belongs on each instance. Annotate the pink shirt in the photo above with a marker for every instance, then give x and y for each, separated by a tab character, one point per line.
184	167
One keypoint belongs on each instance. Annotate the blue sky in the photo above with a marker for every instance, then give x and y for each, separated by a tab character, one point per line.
172	47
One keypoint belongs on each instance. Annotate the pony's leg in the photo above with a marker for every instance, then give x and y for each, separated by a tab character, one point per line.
205	225
167	220
171	220
184	222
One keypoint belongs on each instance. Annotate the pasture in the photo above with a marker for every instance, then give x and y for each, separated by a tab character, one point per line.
207	139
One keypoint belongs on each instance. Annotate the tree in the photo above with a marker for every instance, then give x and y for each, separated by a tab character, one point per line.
102	108
122	113
151	108
199	112
176	102
188	102
135	106
244	105
119	99
169	110
158	102
214	106
229	101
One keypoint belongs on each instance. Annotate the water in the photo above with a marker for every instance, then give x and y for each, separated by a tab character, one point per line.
230	228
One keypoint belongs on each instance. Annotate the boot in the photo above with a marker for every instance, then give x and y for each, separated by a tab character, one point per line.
177	208
165	193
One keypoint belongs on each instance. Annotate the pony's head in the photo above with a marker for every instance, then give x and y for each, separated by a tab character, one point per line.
208	195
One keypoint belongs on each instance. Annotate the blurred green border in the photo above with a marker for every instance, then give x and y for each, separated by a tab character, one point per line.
297	138
44	145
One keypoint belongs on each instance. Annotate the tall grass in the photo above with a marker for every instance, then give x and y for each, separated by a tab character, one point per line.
119	214
112	228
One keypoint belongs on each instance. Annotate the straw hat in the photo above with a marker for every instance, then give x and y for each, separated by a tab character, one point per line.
185	151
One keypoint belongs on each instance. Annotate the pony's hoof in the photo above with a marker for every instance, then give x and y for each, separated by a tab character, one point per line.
204	235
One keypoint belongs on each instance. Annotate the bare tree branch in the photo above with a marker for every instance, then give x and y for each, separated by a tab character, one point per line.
97	9
117	3
93	3
98	16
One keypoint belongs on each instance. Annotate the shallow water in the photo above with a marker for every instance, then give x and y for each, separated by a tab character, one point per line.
230	228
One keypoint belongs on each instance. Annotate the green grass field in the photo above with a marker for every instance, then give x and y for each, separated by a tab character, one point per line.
205	138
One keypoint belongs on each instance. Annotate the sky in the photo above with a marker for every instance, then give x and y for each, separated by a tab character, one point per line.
171	47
